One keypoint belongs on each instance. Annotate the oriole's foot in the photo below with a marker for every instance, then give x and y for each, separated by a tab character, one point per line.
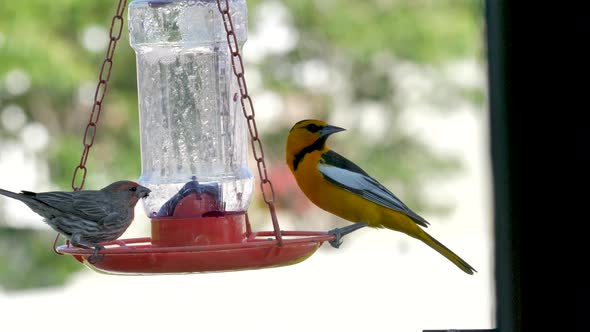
341	232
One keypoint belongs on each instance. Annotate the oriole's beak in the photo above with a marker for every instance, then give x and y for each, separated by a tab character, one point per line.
329	130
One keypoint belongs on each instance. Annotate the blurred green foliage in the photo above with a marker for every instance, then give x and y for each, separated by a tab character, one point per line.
359	38
423	31
27	260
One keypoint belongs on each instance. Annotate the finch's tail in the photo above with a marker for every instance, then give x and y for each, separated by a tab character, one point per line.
26	197
434	244
10	194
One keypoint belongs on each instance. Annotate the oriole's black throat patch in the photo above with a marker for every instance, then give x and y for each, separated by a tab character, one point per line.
318	145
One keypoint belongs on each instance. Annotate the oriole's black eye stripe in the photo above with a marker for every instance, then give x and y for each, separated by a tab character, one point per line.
133	189
313	127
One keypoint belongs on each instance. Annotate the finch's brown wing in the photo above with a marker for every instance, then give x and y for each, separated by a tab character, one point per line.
93	205
89	204
59	200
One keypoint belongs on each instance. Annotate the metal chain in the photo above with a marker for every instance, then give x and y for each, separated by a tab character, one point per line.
266	186
99	94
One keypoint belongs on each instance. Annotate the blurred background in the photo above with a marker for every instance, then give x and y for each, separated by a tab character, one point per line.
405	77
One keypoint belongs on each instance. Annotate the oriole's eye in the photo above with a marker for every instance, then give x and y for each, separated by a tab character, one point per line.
133	189
313	128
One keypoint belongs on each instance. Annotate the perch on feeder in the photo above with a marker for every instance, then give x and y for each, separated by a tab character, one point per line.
195	113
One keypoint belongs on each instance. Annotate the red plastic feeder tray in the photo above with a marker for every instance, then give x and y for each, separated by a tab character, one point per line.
260	250
221	242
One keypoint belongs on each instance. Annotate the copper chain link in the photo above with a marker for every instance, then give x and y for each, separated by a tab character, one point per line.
237	62
99	94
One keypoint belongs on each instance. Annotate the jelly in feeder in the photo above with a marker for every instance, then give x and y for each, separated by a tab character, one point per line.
193	148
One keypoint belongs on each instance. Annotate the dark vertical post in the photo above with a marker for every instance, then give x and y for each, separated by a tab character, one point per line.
507	224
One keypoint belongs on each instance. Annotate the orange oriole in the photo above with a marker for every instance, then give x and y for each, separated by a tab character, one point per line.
339	186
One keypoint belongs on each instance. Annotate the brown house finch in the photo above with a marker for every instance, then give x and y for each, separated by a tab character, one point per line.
86	217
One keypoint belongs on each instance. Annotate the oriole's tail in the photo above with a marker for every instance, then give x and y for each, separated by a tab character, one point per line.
434	244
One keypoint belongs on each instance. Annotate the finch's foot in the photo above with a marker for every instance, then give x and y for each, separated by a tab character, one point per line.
340	232
95	257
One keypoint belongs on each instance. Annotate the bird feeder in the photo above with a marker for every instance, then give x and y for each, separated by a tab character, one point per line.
195	116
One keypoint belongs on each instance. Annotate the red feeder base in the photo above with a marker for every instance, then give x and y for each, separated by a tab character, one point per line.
260	250
178	232
186	244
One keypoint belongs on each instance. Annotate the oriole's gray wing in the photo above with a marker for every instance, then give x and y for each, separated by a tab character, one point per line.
347	175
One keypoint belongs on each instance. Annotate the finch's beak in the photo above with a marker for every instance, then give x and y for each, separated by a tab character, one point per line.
143	192
329	130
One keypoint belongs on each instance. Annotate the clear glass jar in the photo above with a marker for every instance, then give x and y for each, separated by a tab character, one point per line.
193	132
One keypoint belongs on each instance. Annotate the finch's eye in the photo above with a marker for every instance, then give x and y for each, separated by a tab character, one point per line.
133	189
313	128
